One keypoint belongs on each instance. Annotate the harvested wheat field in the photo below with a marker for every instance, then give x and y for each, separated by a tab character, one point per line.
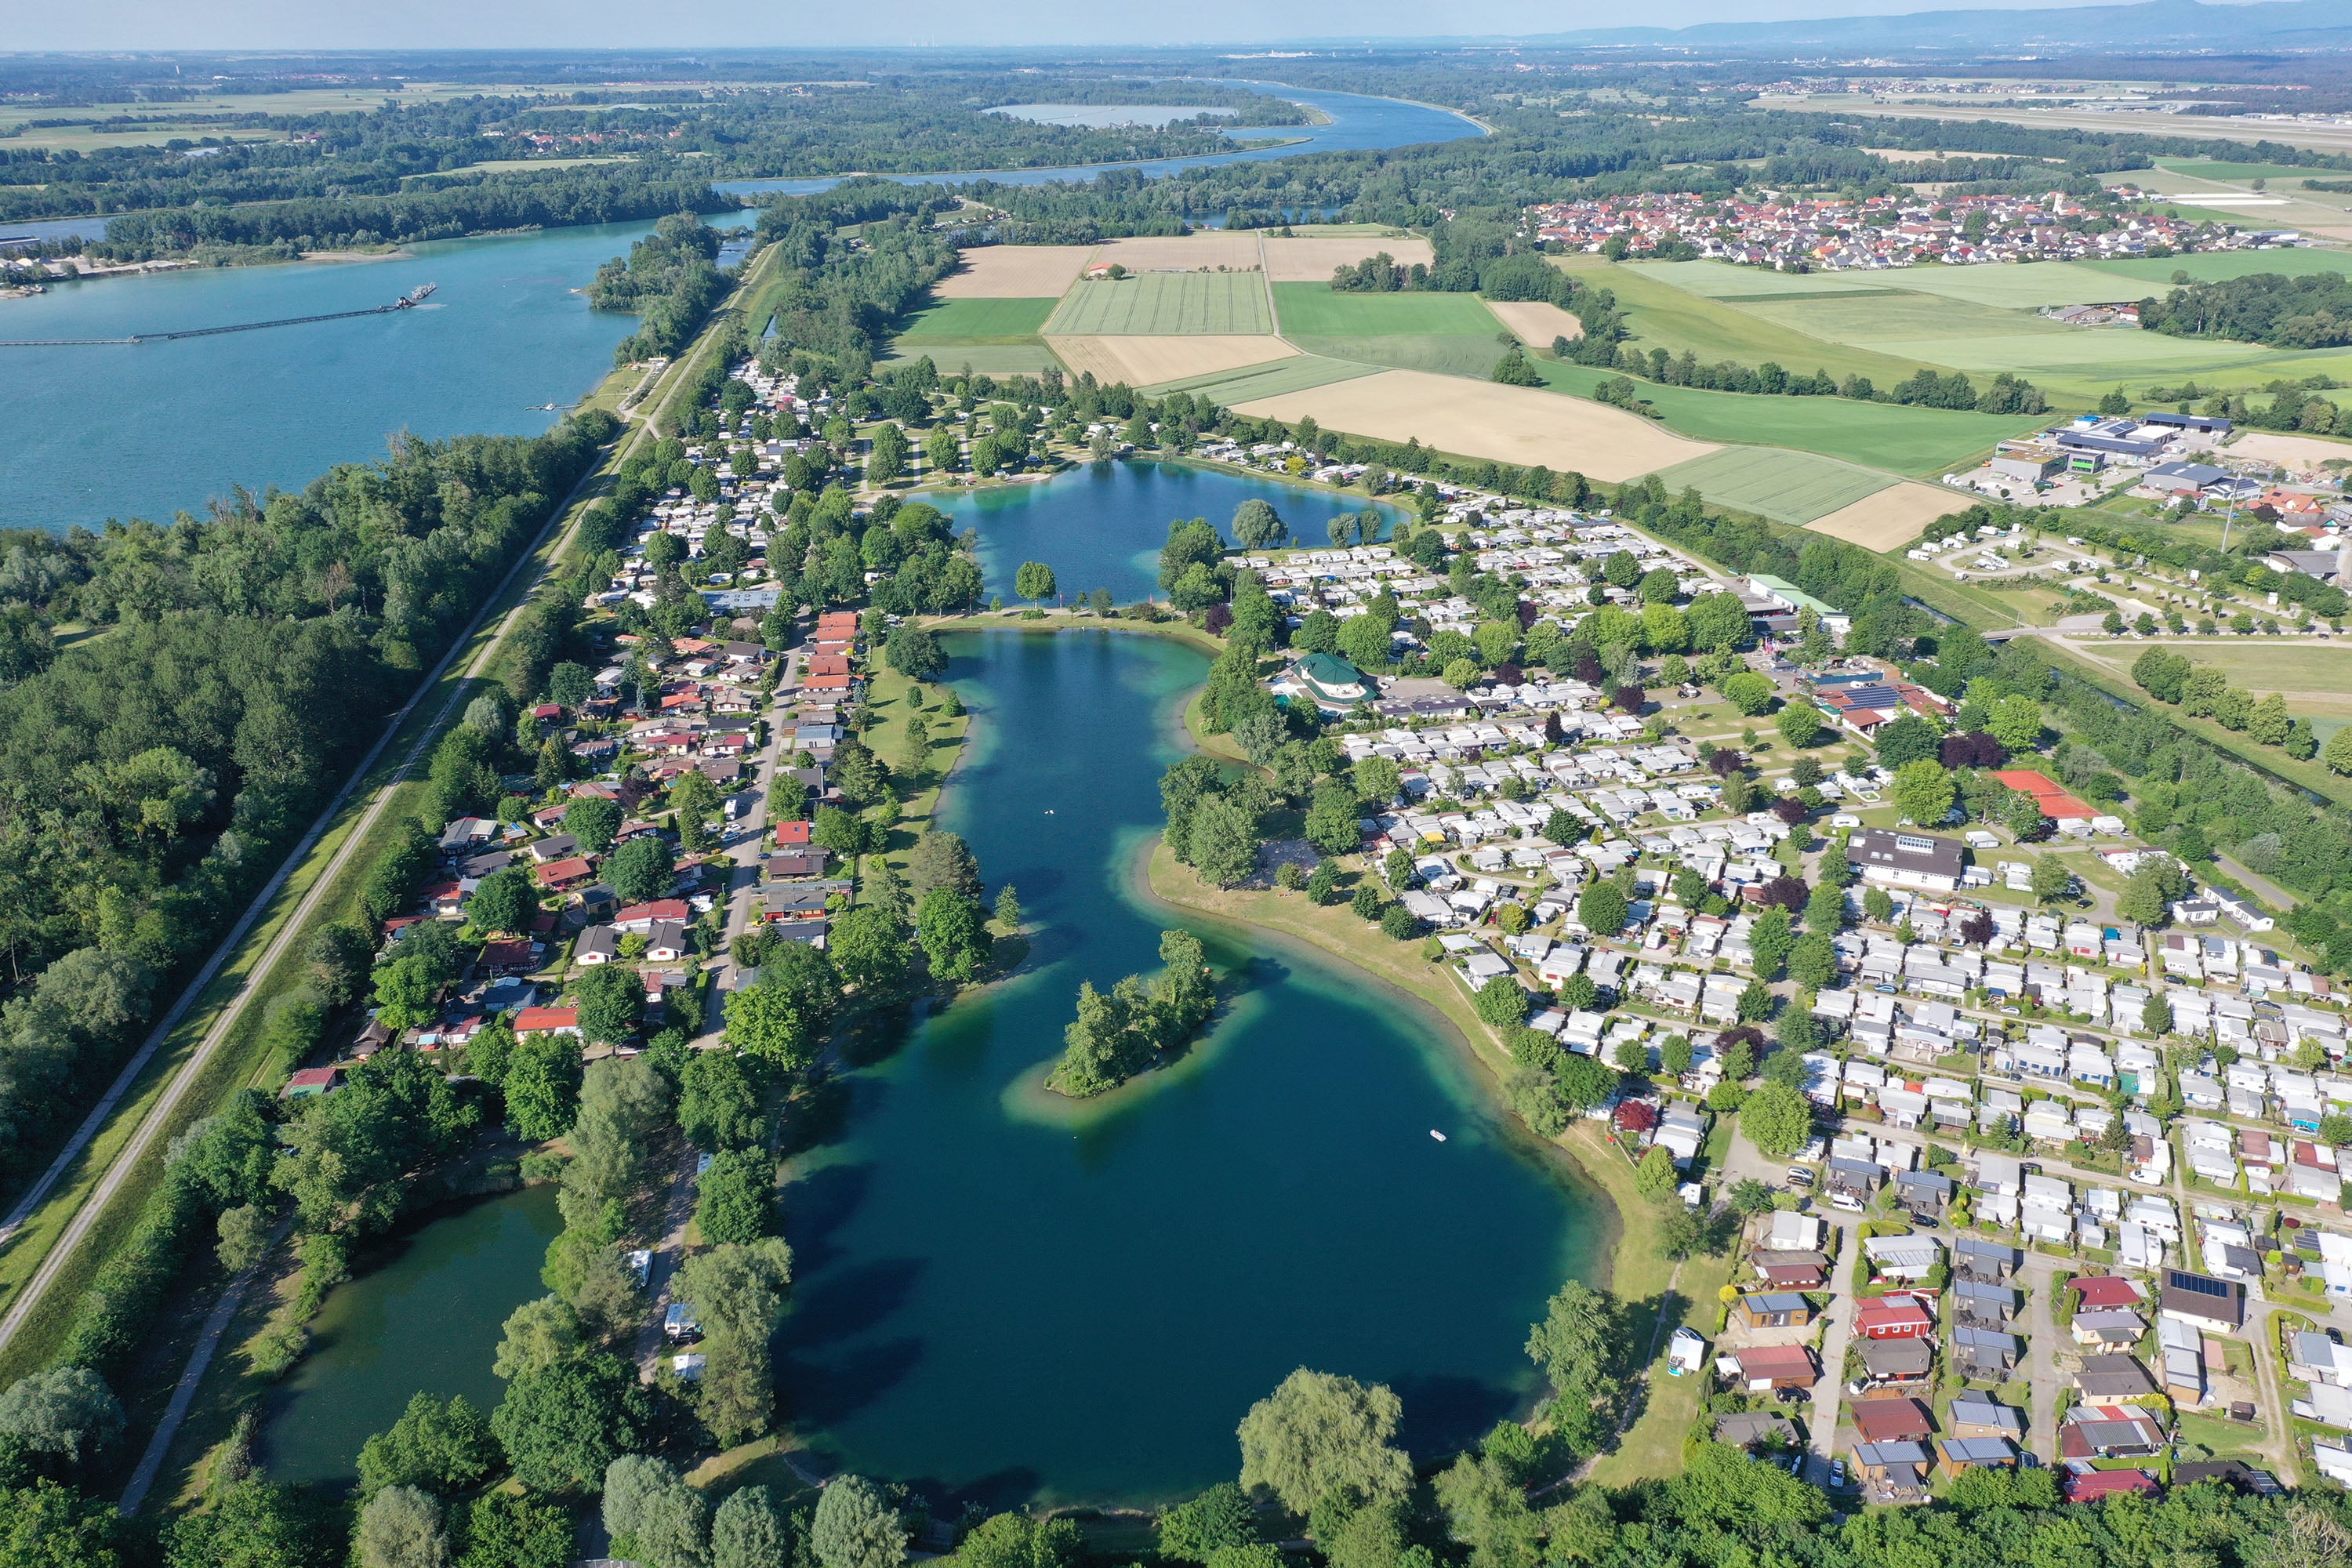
1892	517
1148	360
1535	321
1514	424
1181	253
1314	260
1016	272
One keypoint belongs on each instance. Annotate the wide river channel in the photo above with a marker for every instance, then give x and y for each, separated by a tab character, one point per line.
1003	1294
124	430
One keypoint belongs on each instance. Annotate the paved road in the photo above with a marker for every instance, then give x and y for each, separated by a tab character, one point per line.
2041	1275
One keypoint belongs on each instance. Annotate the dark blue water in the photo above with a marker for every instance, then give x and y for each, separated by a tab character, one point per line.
999	1294
1358	124
1101	525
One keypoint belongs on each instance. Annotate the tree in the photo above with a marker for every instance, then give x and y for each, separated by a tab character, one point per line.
2051	880
2142	901
1654	1176
782	1019
1257	526
1799	724
1218	1519
1924	791
1777	1120
1487	1509
506	1530
595	820
401	1528
1907	739
1579	1343
610	1003
67	1410
1034	582
561	1426
1751	1197
750	1531
737	1196
45	1525
942	860
1318	1433
914	653
2156	1015
640	869
1224	841
444	1447
1502	1002
855	1527
1812	962
505	901
1332	819
537	1335
1749	691
953	928
718	1103
543	1087
2016	723
1603	909
1016	1540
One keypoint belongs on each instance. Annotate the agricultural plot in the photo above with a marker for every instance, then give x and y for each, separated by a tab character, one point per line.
1892	517
1787	486
1661	315
1209	250
1894	317
981	359
1160	304
2011	286
980	320
1721	280
2240	173
1316	310
1513	424
1535	321
1276	380
2214	266
1877	434
1150	362
2090	357
1016	272
1313	260
1457	353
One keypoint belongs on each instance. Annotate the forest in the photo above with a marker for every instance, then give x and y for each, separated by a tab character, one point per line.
153	771
2313	311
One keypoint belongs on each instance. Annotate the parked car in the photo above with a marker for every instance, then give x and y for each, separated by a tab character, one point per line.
1798	1177
1837	1475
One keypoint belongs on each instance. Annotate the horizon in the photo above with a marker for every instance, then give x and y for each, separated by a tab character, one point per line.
275	25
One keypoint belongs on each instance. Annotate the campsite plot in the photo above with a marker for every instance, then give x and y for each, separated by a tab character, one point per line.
1163	303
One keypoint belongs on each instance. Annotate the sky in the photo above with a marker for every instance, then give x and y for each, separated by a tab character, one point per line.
575	24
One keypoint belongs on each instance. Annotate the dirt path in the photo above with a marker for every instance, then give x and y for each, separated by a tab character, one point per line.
666	1253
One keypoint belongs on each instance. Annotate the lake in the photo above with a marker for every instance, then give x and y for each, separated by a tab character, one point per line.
1100	525
426	1315
1006	1296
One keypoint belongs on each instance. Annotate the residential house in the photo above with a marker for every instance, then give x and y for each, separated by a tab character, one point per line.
1893	1318
1983	1305
2112	1377
597	944
1775	1309
1891	1420
1986	1355
1754	1431
534	1021
1960	1454
1766	1367
1896	1363
2215	1306
1973	1414
2108	1327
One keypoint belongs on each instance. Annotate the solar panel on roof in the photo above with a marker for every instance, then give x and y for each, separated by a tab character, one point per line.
2195	1284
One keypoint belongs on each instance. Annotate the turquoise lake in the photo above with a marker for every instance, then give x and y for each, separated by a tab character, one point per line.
1101	525
999	1299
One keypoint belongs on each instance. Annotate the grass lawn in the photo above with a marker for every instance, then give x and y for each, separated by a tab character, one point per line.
1161	303
1912	441
2240	173
1448	353
1787	486
2317	678
981	321
1316	310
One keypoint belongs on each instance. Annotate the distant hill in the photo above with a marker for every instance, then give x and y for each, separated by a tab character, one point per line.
2154	25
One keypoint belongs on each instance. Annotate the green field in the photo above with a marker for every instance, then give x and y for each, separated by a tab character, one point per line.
2214	264
1314	309
2240	173
1894	318
1162	304
1793	487
1918	441
1451	354
1661	315
2093	358
2011	285
980	320
1722	280
1284	376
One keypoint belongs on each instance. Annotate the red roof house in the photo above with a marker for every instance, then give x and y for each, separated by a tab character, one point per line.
566	873
792	833
1893	1318
546	1021
2090	1486
2102	1291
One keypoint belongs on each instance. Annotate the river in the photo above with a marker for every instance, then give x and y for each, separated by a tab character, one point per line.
1007	1296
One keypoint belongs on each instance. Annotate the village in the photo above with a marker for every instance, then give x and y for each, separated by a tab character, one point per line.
1799	234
